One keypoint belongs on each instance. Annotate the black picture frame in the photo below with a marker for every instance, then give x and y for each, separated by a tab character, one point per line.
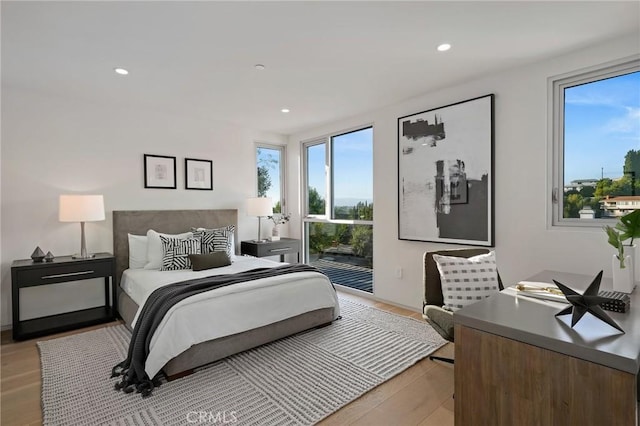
159	172
198	174
446	174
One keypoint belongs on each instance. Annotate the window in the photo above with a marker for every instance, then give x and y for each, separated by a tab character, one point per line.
270	163
338	200
596	144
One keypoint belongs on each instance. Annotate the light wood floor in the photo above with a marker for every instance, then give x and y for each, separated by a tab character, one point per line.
421	395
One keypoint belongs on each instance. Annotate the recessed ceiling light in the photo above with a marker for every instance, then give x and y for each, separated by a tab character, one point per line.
121	71
444	47
285	110
259	66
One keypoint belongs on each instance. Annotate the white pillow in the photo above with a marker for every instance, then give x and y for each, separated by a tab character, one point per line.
466	281
154	247
137	251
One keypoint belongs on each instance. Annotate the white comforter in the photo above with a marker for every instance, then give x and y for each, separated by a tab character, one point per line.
228	310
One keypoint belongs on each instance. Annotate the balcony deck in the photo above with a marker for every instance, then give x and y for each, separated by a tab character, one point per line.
345	274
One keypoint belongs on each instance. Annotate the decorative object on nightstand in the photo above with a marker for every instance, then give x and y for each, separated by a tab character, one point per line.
37	255
278	219
587	302
81	208
623	263
49	257
260	207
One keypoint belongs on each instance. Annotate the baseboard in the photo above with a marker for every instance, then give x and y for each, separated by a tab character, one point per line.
367	295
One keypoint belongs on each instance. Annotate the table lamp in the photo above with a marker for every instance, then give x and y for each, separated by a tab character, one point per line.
259	206
81	208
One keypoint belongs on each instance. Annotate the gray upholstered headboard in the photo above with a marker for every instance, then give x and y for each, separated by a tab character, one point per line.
168	221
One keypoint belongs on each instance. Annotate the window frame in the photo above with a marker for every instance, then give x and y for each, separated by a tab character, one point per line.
282	171
556	86
328	172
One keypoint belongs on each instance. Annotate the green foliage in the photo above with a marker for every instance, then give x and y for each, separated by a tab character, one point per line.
316	202
587	191
277	208
573	203
264	181
629	226
342	234
632	163
319	240
615	240
266	163
362	241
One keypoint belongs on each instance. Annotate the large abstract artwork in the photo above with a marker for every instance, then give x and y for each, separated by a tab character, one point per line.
445	174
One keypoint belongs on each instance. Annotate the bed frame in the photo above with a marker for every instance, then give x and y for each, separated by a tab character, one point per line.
177	221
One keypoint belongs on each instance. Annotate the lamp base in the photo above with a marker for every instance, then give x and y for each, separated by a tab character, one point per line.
80	256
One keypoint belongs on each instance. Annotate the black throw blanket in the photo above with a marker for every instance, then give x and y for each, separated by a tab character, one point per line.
158	303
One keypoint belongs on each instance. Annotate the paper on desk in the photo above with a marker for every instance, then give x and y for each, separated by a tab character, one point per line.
541	294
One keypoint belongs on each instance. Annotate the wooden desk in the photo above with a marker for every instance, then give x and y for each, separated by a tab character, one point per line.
518	364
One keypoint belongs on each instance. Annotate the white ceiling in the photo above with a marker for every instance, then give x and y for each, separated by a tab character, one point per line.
324	60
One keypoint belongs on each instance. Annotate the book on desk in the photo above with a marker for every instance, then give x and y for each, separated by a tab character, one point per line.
618	301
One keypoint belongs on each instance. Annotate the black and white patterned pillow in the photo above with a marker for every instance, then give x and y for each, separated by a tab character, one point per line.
176	251
466	281
218	239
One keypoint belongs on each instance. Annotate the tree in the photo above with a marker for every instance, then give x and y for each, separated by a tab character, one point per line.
362	241
319	240
632	163
266	163
264	181
316	202
572	205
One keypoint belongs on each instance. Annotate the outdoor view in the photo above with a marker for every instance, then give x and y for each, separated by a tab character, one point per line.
269	161
602	148
339	236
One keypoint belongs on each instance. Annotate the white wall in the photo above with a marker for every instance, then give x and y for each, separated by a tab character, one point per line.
53	146
524	243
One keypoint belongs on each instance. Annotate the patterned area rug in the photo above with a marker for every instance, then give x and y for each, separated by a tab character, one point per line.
294	381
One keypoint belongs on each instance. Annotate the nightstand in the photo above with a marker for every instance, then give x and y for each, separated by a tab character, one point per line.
271	248
26	273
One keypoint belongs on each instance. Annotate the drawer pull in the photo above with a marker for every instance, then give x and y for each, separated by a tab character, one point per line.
70	274
280	249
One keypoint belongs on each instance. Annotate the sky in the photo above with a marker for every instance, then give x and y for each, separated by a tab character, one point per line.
602	123
352	167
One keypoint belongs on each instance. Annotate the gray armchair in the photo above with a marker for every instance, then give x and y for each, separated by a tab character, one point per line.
440	319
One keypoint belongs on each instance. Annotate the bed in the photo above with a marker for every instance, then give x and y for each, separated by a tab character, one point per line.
231	339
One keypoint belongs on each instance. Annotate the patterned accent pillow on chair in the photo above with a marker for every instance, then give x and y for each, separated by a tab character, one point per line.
218	239
466	281
176	251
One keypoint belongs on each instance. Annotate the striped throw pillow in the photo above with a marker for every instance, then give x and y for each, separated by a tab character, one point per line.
176	251
218	239
466	281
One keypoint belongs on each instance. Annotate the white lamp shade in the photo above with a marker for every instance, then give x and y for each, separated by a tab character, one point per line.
260	206
81	208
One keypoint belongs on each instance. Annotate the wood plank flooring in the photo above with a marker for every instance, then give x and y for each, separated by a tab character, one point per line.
421	395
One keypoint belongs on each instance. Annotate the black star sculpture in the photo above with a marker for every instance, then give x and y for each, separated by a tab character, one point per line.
587	302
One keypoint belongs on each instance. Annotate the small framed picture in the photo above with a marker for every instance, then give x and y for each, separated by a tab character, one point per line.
159	171
197	174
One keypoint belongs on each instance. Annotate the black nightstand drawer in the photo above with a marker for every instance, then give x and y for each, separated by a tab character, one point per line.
63	273
26	273
271	248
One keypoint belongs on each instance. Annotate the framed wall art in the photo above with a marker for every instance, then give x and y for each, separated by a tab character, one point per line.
445	174
197	174
159	171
